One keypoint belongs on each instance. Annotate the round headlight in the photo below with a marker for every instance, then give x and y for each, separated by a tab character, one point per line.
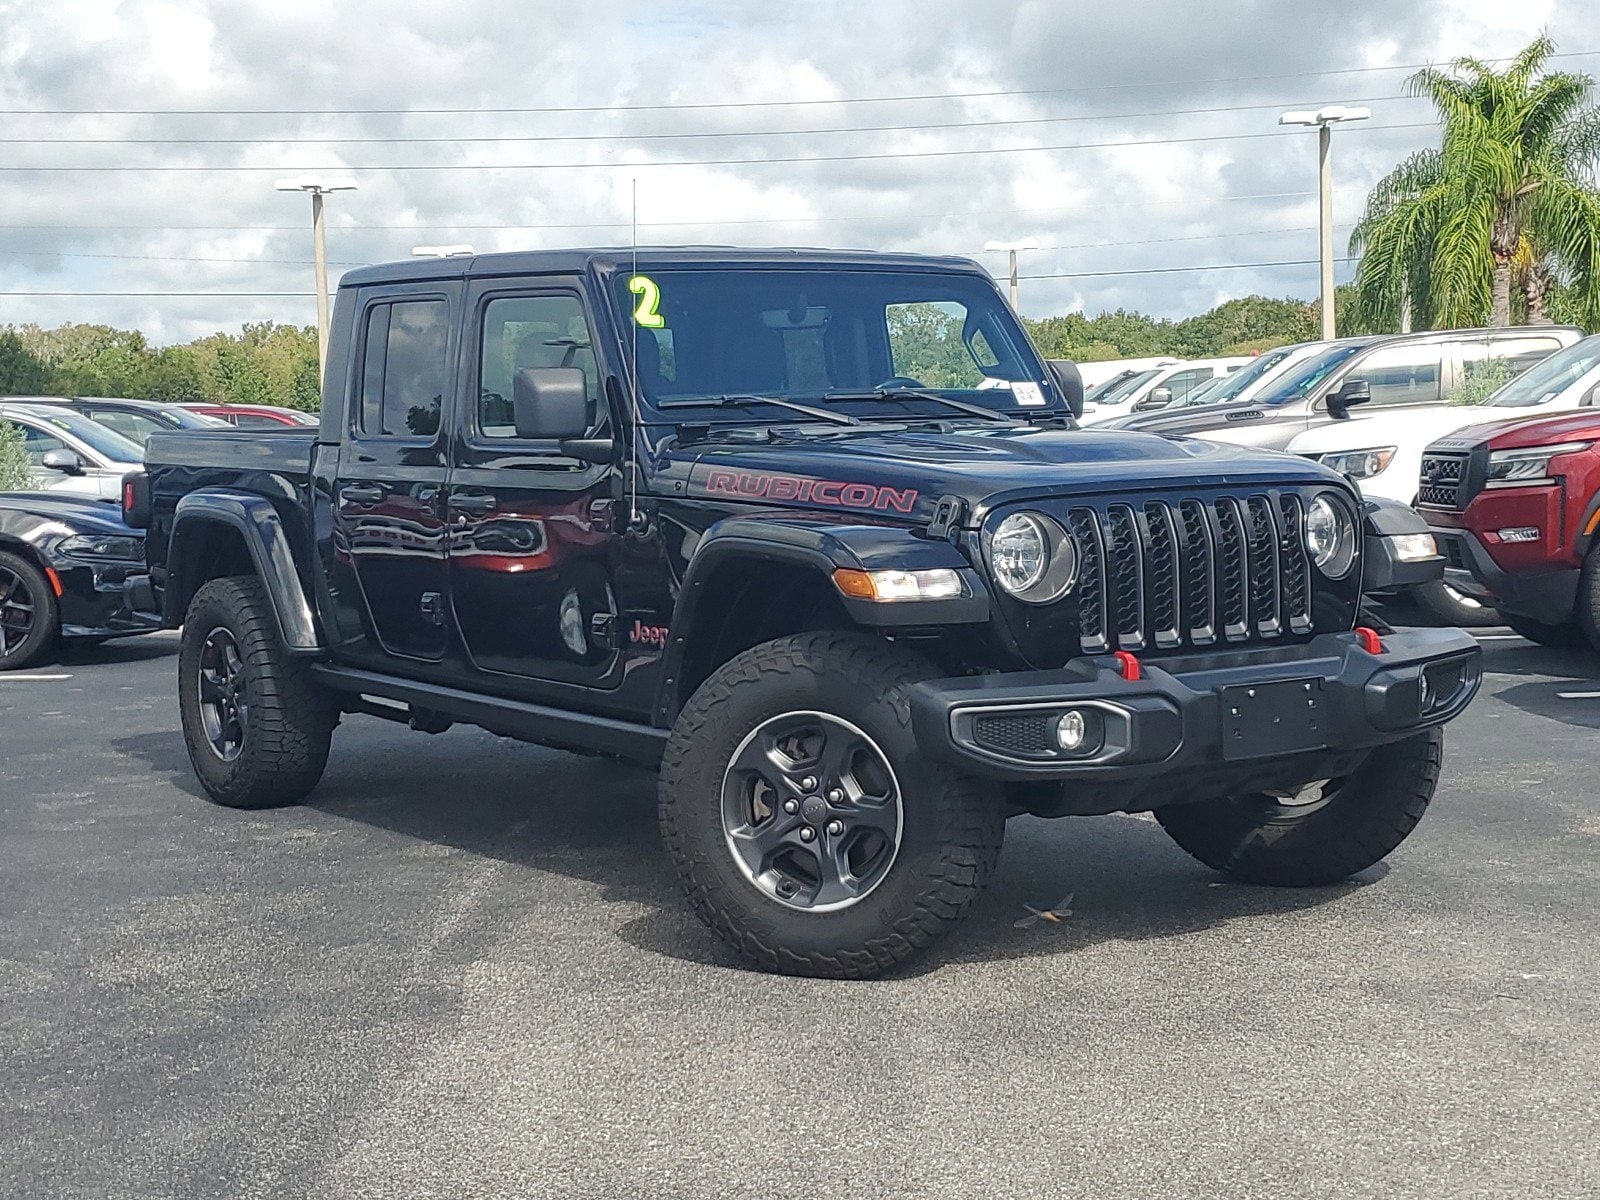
1020	552
1330	537
1032	558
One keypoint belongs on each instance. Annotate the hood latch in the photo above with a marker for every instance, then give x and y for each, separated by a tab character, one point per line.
947	517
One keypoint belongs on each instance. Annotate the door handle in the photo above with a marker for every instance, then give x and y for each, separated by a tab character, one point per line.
360	494
480	503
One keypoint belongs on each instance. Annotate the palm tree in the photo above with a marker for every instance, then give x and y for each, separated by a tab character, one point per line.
1516	166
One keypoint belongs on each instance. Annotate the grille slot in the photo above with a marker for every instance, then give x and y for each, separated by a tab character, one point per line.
1125	575
1084	525
1440	484
1192	572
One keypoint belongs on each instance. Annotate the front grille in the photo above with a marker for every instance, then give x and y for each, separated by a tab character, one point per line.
1440	484
1192	573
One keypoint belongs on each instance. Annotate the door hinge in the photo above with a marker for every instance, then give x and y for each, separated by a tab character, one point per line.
433	608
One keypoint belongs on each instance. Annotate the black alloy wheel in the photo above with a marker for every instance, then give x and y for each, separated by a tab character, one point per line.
30	619
16	611
224	711
811	811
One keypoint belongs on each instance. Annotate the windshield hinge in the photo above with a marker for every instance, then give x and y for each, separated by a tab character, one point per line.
947	517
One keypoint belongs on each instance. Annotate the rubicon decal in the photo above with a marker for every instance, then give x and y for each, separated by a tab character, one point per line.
759	485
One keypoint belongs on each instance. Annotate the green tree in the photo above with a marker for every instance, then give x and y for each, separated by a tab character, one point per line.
22	372
16	472
1517	160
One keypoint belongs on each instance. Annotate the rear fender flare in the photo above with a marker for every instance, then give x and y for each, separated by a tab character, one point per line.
261	528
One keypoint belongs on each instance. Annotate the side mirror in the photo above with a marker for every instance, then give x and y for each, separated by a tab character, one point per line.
1351	393
1065	372
550	403
1158	398
63	460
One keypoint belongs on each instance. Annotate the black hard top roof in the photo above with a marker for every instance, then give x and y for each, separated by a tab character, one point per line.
547	262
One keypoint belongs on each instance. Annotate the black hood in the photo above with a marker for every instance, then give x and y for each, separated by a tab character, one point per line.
906	472
82	514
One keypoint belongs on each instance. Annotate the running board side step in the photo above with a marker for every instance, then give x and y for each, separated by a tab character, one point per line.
505	718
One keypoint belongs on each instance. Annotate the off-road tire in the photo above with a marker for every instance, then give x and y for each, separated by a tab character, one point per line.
952	824
1444	602
1257	839
35	590
1588	606
1542	633
290	723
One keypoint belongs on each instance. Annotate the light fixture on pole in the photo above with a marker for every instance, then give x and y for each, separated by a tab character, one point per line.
1012	248
1324	119
319	186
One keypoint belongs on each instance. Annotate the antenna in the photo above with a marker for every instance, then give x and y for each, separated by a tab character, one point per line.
633	343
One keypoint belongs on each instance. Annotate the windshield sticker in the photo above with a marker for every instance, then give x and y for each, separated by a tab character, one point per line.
647	313
1028	395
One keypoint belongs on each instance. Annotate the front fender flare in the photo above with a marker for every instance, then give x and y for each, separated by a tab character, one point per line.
258	523
825	545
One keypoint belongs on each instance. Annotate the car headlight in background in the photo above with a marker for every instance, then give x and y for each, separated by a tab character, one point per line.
1033	558
120	549
1360	464
1509	468
1330	537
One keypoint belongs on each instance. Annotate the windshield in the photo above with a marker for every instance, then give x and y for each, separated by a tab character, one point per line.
1232	385
106	442
1300	381
1128	386
1104	388
1546	380
833	337
183	418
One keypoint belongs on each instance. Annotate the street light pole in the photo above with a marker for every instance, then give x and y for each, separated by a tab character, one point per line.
1324	119
319	187
1011	248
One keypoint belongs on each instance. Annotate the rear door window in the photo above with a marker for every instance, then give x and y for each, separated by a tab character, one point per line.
405	368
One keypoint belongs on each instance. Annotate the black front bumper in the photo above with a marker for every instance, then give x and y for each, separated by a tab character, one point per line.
93	599
1547	596
1204	725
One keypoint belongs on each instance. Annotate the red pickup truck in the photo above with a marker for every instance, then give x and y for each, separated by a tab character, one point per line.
1514	507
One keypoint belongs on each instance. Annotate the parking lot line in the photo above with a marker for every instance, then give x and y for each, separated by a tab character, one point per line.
33	678
1579	695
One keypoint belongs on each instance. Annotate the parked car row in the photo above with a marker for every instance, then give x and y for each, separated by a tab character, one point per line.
65	551
1144	385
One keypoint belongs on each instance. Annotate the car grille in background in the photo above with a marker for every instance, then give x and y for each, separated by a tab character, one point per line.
1165	574
1440	484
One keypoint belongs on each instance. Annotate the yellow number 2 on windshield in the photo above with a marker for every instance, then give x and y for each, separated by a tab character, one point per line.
648	311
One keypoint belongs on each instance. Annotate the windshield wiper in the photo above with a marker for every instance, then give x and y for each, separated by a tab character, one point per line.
744	401
900	393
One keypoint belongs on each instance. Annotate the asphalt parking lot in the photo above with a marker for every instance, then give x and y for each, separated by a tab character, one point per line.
464	970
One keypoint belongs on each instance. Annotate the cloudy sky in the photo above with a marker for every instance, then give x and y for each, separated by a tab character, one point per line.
1136	142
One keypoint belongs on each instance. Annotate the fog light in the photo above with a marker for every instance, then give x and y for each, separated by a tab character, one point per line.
1072	731
1414	547
1522	533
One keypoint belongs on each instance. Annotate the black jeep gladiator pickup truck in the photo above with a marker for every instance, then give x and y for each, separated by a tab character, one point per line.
817	533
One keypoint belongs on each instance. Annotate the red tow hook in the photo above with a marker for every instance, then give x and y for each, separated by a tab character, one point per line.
1369	639
1129	665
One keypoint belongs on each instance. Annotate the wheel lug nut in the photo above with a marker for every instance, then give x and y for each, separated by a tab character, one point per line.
809	783
807	834
791	806
835	795
835	827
